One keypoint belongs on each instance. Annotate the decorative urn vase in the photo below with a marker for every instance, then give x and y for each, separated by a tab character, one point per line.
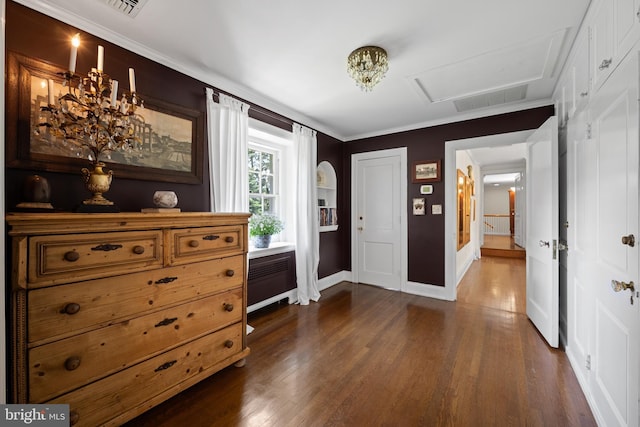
97	181
262	241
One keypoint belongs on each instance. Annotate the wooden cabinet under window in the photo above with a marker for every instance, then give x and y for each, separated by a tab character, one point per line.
115	313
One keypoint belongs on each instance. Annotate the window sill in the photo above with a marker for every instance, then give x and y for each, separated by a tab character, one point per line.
273	249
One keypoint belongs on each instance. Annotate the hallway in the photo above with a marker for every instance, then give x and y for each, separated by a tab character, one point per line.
495	282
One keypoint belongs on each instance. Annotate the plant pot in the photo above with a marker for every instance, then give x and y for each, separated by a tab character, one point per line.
262	241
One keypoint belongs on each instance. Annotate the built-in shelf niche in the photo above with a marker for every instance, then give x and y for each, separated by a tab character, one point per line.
327	197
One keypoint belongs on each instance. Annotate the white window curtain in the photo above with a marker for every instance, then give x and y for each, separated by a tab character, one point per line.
228	127
307	235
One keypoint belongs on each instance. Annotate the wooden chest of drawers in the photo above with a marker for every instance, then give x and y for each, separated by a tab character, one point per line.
114	313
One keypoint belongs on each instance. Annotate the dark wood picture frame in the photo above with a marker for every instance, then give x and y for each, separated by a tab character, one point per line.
426	171
21	130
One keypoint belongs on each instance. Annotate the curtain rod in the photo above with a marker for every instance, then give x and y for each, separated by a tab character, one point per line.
253	107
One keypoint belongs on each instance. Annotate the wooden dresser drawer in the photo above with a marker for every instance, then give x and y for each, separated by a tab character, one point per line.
64	365
153	380
60	311
199	244
74	257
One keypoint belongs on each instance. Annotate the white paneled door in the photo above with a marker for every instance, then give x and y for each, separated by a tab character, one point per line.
377	218
542	230
615	351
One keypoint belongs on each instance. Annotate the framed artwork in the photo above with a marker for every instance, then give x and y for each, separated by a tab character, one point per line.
171	137
426	171
418	206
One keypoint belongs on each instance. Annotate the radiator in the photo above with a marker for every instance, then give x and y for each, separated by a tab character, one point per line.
270	276
497	224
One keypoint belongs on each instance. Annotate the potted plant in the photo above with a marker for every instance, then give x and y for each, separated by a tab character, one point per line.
262	227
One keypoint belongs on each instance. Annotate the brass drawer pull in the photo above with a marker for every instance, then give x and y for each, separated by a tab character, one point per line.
72	363
138	250
165	366
71	308
228	306
106	247
229	239
71	256
230	273
165	280
166	322
211	237
228	343
194	243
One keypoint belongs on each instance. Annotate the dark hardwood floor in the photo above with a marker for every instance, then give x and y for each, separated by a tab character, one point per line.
368	356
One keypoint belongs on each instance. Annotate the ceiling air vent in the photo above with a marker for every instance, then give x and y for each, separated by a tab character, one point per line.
128	7
503	96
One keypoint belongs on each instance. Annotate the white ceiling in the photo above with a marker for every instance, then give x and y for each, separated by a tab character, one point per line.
448	60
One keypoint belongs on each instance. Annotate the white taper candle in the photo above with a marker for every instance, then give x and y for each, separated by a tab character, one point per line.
132	80
100	58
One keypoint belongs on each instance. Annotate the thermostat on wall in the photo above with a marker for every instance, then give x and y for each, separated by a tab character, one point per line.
426	189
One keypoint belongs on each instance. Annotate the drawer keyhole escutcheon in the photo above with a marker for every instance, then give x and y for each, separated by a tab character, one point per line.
71	308
72	363
71	256
228	343
228	306
211	237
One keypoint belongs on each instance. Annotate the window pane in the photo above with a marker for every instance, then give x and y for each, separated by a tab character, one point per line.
255	205
254	160
267	163
269	205
254	182
267	184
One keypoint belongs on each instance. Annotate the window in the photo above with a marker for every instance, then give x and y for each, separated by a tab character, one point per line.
263	179
271	181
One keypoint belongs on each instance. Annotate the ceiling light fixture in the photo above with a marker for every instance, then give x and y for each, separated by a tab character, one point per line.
367	66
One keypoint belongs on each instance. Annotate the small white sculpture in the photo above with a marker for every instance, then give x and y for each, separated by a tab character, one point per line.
165	199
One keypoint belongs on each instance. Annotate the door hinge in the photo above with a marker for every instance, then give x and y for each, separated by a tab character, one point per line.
588	362
588	130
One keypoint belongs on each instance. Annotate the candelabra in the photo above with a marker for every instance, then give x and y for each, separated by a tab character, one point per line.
91	117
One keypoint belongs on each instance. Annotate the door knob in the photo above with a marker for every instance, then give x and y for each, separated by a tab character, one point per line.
622	286
629	240
543	243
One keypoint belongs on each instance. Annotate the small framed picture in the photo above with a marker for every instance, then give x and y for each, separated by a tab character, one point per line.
418	206
426	171
426	189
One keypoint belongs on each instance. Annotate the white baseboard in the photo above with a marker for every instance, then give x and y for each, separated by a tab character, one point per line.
584	385
334	279
291	295
427	290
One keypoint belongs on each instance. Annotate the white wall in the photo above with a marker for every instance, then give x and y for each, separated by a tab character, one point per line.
496	200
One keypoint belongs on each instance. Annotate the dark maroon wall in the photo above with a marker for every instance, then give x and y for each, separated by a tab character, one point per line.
40	37
334	246
426	233
35	35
